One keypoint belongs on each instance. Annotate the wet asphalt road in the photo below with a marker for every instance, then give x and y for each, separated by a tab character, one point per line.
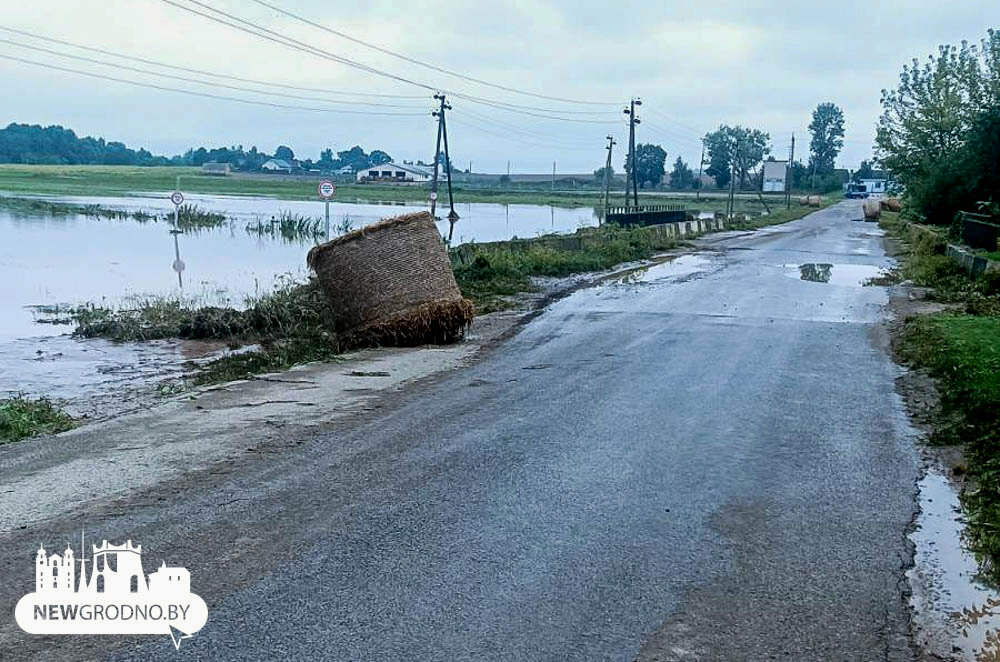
703	461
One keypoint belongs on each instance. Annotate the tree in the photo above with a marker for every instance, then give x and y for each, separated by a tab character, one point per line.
650	162
284	153
378	157
735	147
864	171
600	173
681	177
927	117
827	128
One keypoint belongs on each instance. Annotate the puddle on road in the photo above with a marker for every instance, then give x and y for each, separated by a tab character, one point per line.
954	614
670	267
835	274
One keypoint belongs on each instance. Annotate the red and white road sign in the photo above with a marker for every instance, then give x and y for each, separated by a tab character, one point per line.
326	189
177	198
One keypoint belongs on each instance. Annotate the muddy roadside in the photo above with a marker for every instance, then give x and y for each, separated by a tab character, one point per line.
955	614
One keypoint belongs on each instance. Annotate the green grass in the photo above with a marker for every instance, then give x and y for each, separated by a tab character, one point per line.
130	180
496	273
22	417
961	349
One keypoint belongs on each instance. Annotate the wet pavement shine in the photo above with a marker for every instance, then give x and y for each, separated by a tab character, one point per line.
704	461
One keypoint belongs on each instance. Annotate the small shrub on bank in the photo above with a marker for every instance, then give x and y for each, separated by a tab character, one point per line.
22	417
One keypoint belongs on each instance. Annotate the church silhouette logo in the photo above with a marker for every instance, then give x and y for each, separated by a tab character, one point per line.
116	597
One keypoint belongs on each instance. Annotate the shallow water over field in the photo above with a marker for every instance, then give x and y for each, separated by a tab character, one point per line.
62	261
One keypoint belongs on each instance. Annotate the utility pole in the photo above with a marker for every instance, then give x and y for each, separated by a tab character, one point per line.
788	175
443	133
701	164
508	169
607	176
439	114
632	121
553	176
731	206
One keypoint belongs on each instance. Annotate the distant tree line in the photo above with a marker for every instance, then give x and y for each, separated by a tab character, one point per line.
54	145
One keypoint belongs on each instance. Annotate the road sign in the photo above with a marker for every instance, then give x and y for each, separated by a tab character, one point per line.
434	195
177	198
326	189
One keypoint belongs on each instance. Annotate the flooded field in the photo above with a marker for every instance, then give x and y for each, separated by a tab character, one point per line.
58	261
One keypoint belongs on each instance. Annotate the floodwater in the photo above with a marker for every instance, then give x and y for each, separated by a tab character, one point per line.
58	261
956	616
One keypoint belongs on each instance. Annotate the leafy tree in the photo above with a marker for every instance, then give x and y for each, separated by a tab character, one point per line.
650	164
827	128
934	133
864	171
285	153
927	117
735	147
681	176
326	159
378	157
600	173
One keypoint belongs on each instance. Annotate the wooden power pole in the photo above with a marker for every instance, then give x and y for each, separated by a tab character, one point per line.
632	121
443	134
607	176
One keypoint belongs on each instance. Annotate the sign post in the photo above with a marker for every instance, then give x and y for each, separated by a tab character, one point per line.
327	190
178	199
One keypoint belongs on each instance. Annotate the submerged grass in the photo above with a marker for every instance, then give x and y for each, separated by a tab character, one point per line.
287	326
961	349
22	417
189	216
289	226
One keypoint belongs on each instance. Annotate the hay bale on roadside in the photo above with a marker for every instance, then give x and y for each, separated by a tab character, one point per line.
391	283
893	204
872	209
804	200
815	200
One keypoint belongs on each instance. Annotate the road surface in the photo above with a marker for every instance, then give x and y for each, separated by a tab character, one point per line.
703	460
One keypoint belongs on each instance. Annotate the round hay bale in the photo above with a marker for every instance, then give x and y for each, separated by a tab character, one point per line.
804	200
894	204
815	200
391	283
872	209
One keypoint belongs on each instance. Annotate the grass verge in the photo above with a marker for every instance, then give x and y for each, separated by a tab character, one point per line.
961	350
496	273
22	417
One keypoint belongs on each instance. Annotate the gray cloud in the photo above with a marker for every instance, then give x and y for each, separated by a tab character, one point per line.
696	65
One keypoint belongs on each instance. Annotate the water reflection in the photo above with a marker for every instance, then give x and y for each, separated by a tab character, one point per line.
818	273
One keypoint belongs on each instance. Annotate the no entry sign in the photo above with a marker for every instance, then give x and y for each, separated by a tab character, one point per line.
326	189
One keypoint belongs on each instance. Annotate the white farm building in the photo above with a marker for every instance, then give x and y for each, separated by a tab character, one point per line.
395	172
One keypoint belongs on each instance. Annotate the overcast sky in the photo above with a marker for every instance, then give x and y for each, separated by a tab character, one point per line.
694	65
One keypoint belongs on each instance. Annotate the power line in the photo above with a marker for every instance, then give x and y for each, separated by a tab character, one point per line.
189	79
270	35
515	138
206	94
427	65
203	72
517	129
